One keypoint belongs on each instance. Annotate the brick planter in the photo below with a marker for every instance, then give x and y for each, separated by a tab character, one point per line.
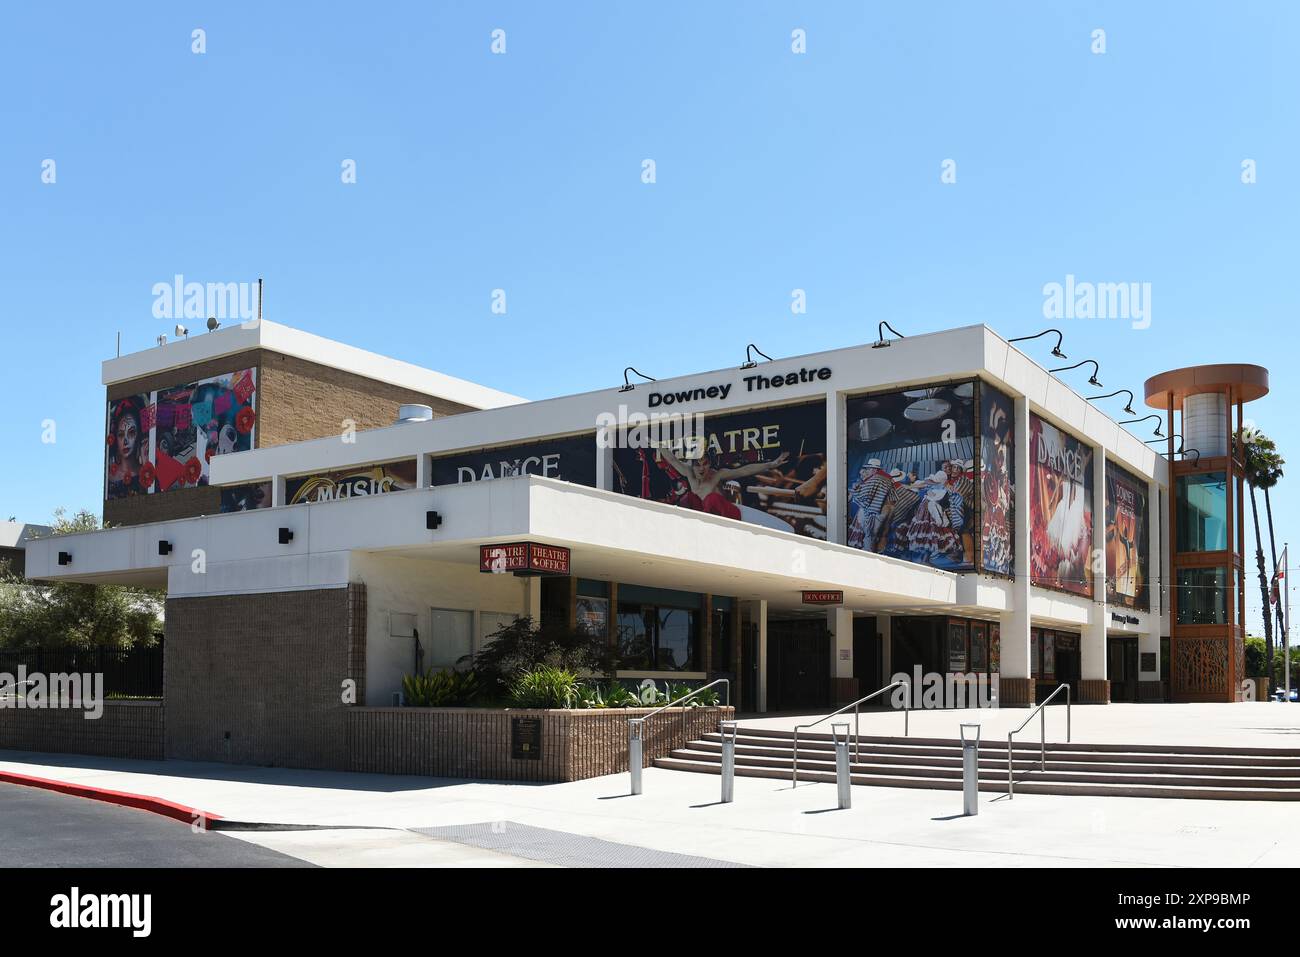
477	742
126	729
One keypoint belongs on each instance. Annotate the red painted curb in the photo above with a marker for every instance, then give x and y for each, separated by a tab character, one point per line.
143	802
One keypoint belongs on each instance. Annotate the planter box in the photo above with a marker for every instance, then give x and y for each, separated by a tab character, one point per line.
126	729
511	744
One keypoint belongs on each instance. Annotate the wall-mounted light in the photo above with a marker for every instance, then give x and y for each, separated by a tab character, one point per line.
628	386
182	332
432	520
1143	419
1195	461
749	358
1092	379
881	342
65	558
164	547
1128	406
286	536
1163	438
1056	349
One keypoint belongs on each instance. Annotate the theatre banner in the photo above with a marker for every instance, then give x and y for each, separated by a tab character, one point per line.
351	483
997	481
766	466
1128	543
569	459
911	482
1060	507
164	440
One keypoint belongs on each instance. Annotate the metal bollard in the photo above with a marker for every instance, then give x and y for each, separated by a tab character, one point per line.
970	770
842	783
728	761
634	752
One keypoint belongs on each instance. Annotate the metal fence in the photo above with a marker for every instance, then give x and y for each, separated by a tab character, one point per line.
135	673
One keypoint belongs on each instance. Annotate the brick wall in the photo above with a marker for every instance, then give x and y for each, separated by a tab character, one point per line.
475	743
296	400
126	729
258	679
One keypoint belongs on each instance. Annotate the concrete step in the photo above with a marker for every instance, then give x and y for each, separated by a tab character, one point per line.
996	773
1028	784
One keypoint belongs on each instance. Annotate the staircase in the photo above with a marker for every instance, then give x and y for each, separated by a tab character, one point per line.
1123	770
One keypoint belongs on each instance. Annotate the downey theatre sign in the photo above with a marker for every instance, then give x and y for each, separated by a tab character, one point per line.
524	558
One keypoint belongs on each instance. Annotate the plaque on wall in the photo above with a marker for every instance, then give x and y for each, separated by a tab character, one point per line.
1148	661
526	739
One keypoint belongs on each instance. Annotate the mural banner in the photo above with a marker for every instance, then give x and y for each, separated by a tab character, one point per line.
1128	543
570	459
351	483
766	466
997	481
1060	507
911	486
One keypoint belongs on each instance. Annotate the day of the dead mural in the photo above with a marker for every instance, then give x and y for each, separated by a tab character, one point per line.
165	440
911	480
766	466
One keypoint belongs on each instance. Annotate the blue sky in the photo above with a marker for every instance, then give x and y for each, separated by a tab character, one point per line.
522	172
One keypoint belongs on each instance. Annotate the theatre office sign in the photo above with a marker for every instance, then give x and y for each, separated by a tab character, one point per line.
523	558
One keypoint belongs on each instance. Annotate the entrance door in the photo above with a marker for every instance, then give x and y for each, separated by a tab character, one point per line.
748	676
798	665
1122	668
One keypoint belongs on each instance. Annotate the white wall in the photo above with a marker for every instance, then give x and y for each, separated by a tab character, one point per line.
415	586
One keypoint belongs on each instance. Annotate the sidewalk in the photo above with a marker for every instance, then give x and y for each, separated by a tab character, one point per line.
768	825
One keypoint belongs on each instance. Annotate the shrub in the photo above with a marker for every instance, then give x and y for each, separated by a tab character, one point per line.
545	687
440	689
522	647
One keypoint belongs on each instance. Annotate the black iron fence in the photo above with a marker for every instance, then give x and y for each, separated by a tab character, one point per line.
135	673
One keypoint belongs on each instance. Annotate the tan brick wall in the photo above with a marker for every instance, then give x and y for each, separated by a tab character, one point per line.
258	679
475	743
299	400
126	729
296	400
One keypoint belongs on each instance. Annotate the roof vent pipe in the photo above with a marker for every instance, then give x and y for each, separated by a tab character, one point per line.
414	413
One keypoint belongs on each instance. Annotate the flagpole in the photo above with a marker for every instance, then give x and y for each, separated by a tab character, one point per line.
1286	624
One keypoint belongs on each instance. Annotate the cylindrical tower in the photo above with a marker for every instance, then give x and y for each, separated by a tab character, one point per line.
1206	528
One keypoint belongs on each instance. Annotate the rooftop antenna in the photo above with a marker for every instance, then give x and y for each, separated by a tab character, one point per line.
259	299
119	343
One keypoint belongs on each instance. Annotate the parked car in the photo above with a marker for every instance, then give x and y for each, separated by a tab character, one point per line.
1280	694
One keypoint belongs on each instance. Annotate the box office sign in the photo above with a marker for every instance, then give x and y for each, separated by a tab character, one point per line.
823	597
524	558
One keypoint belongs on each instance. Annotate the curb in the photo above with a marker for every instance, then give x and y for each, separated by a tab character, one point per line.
143	802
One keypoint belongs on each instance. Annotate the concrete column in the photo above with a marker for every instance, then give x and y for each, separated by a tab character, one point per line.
1149	643
843	686
1015	675
1092	647
277	491
422	471
836	464
533	598
758	615
605	460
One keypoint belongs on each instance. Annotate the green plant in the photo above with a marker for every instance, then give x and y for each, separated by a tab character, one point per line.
521	647
704	699
545	687
648	694
440	689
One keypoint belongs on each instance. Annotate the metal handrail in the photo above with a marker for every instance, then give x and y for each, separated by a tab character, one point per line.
1042	724
672	704
794	779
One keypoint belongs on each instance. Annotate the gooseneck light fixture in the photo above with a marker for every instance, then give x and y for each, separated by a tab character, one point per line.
749	356
1128	406
628	386
1159	434
1195	461
1092	379
1056	349
881	342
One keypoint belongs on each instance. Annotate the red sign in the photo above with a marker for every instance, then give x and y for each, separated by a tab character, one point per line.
524	558
823	598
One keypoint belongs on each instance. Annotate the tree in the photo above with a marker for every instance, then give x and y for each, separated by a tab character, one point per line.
75	615
1263	468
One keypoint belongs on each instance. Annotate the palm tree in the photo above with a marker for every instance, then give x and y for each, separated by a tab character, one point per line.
1263	468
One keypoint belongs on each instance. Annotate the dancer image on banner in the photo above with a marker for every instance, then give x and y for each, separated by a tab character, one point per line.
869	495
705	481
935	534
128	449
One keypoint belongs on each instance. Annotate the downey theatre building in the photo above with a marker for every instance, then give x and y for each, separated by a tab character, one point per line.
808	526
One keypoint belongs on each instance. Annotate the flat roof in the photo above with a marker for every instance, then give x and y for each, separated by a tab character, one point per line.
262	334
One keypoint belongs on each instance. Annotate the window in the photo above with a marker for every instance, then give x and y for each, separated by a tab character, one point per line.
1035	639
656	638
1202	512
451	637
1202	596
721	639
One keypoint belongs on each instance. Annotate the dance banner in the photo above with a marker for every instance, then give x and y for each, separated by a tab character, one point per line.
997	481
911	485
569	459
1128	543
351	483
1060	509
766	466
164	440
